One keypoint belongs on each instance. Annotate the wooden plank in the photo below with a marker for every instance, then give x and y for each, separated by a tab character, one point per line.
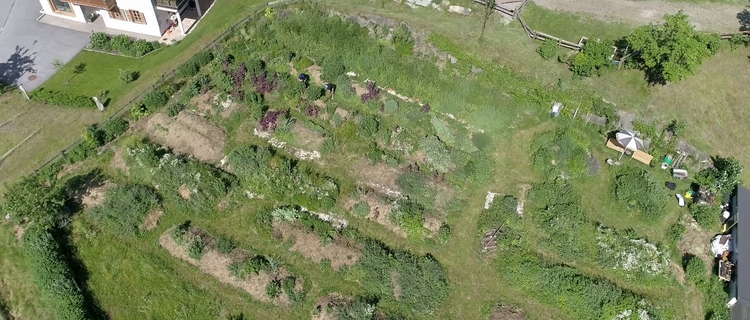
612	144
642	157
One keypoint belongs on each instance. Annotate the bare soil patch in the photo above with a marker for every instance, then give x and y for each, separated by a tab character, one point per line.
344	114
203	103
217	265
507	313
309	246
679	274
380	177
322	306
695	241
152	220
315	72
184	192
522	191
118	161
359	89
18	231
720	18
96	194
306	138
188	133
379	211
433	223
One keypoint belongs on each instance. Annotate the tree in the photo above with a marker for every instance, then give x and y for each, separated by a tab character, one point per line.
671	51
723	177
488	9
593	56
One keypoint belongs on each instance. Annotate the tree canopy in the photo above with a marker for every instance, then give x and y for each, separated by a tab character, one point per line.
671	51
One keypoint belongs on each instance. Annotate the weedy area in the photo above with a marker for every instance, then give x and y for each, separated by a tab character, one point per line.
290	174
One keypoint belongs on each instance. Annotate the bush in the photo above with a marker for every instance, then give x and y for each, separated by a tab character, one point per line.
33	198
188	69
52	274
141	47
436	153
500	213
302	63
548	49
444	233
361	209
99	40
403	40
273	289
196	248
695	271
127	76
593	56
125	207
415	186
155	100
706	215
288	286
640	190
332	69
138	111
122	44
174	109
62	99
368	125
203	58
225	245
313	93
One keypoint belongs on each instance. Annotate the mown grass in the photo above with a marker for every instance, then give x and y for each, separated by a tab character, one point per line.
571	26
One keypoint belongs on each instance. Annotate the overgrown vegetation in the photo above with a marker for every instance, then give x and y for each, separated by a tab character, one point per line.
122	44
125	207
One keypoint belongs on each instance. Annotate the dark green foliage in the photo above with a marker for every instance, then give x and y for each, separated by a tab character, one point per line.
288	286
423	281
141	47
414	185
125	207
113	129
254	265
444	233
33	198
273	288
723	177
548	49
604	109
127	76
52	274
196	247
738	40
99	40
62	99
332	69
502	211
207	185
225	245
313	93
188	69
639	190
481	140
593	56
358	309
561	152
155	100
695	271
706	215
276	176
174	109
122	44
368	125
675	232
671	51
312	224
203	58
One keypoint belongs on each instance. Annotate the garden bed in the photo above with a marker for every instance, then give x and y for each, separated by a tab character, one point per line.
190	134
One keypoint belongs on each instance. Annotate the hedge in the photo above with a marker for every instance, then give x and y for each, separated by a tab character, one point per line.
63	99
122	44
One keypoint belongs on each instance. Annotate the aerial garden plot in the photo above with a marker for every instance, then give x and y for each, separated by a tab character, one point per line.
290	174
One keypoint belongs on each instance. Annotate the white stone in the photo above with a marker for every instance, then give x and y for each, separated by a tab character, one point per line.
351	74
489	199
459	10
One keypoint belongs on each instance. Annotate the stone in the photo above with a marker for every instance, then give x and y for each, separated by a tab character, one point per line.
446	3
459	10
422	3
476	70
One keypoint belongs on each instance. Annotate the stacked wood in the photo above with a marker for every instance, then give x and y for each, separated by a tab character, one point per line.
489	242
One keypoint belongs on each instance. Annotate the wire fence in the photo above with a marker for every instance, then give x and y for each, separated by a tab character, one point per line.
164	79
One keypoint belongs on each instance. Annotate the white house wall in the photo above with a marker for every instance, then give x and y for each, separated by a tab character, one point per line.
152	26
79	17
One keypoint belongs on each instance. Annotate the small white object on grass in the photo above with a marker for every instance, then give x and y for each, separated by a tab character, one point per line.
680	200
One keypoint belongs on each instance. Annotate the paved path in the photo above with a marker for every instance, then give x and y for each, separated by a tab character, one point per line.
27	47
720	18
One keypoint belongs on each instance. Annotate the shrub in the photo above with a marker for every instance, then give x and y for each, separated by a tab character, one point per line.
332	69
738	40
155	100
52	274
100	40
188	69
138	110
114	128
444	233
273	289
285	214
361	209
706	215
548	49
203	58
225	245
695	271
62	99
127	76
403	40
174	109
141	47
288	286
443	131
122	44
639	189
302	63
500	213
368	125
436	153
415	186
313	93
593	56
125	207
196	248
33	198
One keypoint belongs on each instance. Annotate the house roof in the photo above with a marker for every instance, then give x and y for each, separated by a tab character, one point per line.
741	235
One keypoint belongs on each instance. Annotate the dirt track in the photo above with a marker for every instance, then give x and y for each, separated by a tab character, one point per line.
720	18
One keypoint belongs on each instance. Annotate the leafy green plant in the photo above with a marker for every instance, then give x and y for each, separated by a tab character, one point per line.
302	63
273	288
638	189
127	76
548	49
125	207
138	111
706	215
443	131
122	44
62	99
436	153
196	247
313	93
288	285
33	198
695	271
188	69
361	209
444	233
99	40
225	245
155	100
403	40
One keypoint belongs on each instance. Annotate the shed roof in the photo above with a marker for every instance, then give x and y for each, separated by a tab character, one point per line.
741	235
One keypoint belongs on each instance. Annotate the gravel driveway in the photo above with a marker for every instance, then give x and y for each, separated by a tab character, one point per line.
720	18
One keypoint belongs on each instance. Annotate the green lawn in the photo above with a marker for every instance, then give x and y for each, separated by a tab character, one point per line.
570	26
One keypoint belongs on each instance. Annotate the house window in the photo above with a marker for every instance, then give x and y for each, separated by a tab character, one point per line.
62	7
117	14
137	17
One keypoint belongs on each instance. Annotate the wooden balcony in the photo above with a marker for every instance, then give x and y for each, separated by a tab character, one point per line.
170	3
99	4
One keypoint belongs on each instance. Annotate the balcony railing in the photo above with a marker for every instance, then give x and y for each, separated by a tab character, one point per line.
170	3
99	4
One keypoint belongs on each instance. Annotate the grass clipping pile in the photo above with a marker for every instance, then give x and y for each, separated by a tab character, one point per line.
310	247
217	265
190	134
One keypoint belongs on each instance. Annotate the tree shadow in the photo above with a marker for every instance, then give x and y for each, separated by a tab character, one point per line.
80	274
744	19
19	63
